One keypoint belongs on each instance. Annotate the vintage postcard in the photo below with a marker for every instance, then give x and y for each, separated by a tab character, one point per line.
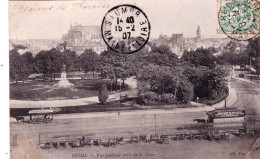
134	79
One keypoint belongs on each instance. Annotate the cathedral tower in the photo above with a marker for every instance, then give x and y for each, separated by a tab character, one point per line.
198	37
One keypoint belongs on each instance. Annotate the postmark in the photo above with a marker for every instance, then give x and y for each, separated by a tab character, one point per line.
125	29
239	19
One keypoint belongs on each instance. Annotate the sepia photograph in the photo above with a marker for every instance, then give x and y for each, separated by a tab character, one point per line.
134	79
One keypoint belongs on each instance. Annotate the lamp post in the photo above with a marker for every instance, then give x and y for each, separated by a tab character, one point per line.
231	72
250	69
120	90
254	121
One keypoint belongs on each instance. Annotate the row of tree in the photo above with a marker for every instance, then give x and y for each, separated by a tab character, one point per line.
162	76
241	53
50	62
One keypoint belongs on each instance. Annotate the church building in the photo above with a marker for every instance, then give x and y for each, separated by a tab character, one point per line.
81	37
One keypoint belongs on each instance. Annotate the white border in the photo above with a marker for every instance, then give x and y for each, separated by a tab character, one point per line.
4	82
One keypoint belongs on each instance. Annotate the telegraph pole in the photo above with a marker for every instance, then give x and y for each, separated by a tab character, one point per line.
254	122
155	123
39	138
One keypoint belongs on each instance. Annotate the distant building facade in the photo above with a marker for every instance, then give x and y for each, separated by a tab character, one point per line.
35	45
81	37
178	43
177	40
78	38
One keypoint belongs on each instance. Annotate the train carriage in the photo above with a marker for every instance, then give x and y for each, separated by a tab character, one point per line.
227	119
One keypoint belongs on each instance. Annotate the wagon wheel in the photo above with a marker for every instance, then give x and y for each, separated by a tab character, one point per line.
33	118
48	118
39	118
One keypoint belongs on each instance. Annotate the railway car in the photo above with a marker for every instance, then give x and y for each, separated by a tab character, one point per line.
224	113
227	119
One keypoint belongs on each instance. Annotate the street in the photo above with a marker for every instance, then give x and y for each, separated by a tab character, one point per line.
248	95
132	123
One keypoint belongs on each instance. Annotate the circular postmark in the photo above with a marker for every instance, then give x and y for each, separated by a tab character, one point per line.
239	19
125	29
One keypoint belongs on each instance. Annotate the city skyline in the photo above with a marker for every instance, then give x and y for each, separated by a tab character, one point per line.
45	20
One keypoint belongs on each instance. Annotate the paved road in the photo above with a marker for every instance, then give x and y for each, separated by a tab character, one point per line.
248	95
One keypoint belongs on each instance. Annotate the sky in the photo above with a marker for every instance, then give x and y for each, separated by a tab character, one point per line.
52	19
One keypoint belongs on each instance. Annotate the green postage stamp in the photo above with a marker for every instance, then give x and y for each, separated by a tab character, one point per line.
239	19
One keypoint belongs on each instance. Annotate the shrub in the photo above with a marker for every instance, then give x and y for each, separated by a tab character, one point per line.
168	98
151	96
147	97
103	93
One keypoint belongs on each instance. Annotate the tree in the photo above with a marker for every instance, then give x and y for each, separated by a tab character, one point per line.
28	62
253	47
55	61
18	69
113	65
41	62
209	83
208	78
253	50
89	60
199	57
162	56
69	59
49	62
21	66
103	93
234	53
165	82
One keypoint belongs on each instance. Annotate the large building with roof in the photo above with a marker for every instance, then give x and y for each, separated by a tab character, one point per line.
81	37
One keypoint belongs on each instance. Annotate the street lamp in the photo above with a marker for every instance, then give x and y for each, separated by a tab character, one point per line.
251	67
155	123
120	90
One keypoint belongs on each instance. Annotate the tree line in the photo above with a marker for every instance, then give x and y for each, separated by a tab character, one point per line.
237	53
50	62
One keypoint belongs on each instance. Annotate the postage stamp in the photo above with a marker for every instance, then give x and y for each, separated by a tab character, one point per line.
239	19
125	29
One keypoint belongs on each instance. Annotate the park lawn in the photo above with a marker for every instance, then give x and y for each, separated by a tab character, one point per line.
31	91
42	90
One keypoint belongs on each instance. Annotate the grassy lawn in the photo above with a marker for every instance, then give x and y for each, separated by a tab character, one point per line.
42	90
